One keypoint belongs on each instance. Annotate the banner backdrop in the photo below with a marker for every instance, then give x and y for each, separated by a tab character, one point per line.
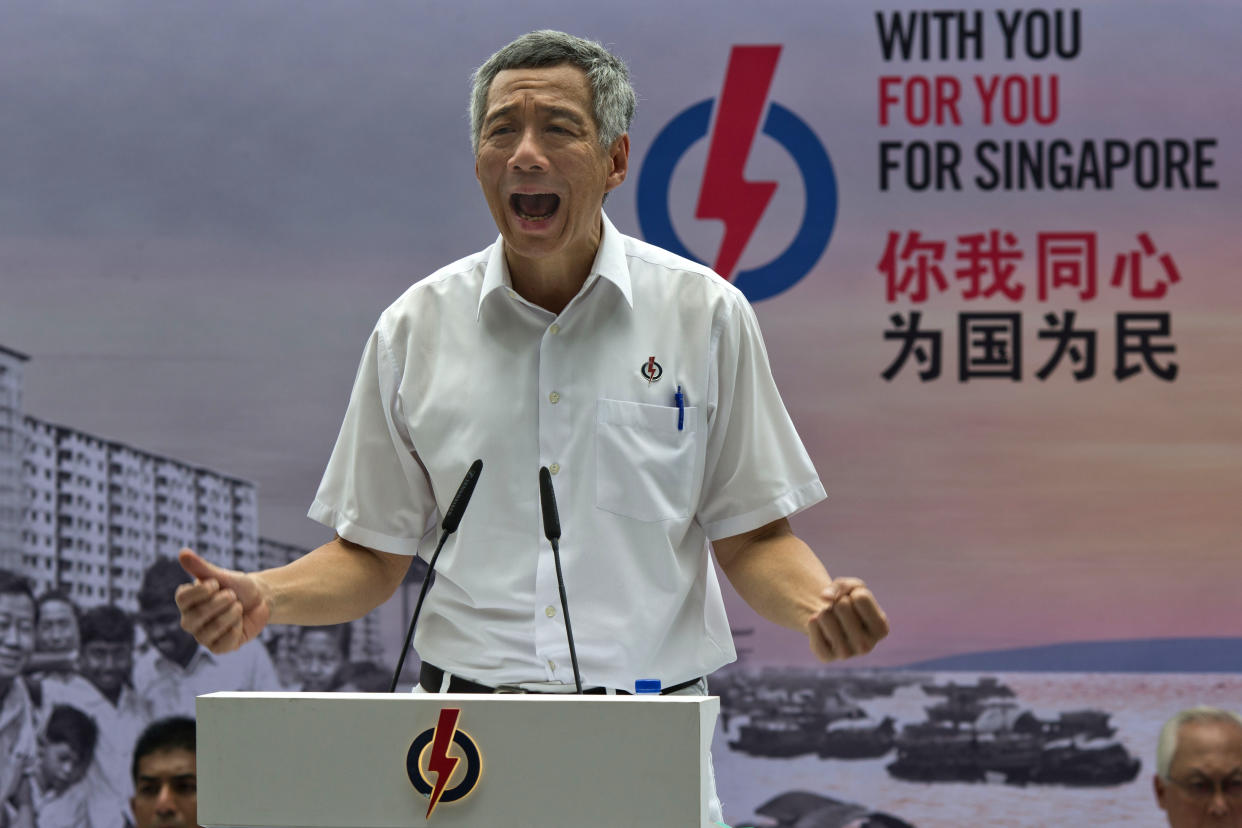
992	251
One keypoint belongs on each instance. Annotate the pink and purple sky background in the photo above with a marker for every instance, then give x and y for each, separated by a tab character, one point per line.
204	207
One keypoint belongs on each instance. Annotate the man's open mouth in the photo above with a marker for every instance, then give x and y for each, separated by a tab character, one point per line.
535	206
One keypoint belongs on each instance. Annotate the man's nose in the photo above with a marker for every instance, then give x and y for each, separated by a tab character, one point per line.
165	803
528	155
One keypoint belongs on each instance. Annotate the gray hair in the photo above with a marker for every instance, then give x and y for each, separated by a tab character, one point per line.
1167	745
612	95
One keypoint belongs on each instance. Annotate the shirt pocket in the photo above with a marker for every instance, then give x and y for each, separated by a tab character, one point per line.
644	464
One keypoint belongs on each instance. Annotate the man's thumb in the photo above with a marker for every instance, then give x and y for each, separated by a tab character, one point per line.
196	566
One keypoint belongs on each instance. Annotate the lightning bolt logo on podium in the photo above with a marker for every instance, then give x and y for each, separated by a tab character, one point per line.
440	763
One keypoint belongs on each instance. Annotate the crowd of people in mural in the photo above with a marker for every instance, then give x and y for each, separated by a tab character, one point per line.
97	704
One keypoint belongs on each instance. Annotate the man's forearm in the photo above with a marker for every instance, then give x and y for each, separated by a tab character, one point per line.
334	583
778	575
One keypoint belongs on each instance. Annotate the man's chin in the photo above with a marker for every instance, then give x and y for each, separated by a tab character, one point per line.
532	234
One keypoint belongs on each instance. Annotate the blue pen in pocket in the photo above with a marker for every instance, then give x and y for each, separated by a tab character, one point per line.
681	409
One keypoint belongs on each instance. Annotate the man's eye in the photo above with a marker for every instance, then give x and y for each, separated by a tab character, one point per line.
148	789
185	786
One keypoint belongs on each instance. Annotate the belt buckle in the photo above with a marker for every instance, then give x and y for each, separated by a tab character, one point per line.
509	689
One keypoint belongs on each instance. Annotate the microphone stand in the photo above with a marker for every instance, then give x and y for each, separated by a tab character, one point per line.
449	526
552	530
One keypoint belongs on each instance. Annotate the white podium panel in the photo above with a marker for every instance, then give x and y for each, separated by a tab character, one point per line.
339	760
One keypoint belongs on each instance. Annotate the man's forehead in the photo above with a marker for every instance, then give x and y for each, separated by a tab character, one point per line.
164	763
55	610
563	81
100	646
1209	742
17	605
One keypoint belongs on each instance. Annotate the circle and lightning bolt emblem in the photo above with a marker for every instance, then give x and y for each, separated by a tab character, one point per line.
430	750
725	193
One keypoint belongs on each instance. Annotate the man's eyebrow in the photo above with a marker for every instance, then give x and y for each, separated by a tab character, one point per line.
498	113
551	110
568	114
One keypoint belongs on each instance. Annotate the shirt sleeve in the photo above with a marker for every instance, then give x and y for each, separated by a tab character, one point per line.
374	490
756	468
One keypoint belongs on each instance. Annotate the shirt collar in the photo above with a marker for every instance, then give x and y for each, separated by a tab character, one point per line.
16	703
610	264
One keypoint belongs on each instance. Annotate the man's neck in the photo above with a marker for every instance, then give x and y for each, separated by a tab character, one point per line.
114	697
182	658
552	282
550	291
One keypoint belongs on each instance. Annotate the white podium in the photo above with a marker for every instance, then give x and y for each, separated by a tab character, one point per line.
339	760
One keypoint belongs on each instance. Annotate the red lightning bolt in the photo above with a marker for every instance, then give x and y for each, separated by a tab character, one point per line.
441	763
726	195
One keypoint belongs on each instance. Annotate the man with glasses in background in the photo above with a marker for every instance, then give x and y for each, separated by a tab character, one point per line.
1199	768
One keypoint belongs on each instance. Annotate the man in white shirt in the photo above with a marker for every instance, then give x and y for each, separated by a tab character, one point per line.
56	637
637	378
104	691
18	617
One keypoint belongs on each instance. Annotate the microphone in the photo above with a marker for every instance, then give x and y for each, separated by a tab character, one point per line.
547	499
552	531
448	526
464	491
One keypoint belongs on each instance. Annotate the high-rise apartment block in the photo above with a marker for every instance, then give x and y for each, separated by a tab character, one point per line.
88	515
11	447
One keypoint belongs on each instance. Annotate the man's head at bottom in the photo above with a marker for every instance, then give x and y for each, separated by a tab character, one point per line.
1198	779
165	775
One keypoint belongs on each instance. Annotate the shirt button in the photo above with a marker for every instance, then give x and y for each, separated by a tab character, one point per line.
554	329
554	398
554	468
550	612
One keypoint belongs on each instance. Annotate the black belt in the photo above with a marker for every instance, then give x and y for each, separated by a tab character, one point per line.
431	677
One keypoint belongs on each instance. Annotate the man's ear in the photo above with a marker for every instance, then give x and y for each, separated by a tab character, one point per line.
619	158
1159	787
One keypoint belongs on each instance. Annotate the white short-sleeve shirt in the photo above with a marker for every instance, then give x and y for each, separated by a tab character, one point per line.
461	367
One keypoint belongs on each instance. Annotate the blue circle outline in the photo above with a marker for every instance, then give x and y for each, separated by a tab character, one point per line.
819	215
